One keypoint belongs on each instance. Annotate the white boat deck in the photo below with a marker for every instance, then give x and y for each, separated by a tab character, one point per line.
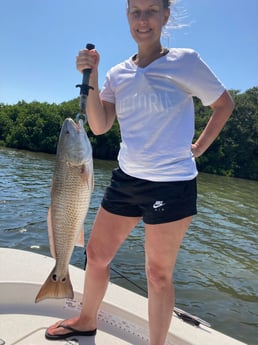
122	317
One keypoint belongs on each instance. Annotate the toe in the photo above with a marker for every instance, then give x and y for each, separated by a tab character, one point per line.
56	329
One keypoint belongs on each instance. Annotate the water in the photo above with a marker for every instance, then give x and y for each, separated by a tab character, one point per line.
216	275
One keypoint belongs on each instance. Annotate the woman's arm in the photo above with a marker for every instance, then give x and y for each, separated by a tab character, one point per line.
222	109
100	115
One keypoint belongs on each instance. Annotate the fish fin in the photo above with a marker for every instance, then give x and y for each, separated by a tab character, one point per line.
80	240
58	288
85	174
93	182
51	234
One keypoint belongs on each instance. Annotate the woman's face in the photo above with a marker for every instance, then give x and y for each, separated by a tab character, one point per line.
146	19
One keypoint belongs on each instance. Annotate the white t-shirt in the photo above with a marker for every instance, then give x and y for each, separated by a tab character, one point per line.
155	110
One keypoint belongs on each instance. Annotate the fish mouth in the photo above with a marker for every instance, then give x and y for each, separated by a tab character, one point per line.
79	124
76	125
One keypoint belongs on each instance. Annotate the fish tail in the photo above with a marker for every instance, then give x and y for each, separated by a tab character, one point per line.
55	287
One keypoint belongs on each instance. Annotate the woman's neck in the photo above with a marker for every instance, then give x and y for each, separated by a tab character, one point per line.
146	56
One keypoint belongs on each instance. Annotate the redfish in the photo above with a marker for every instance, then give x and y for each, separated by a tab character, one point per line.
72	186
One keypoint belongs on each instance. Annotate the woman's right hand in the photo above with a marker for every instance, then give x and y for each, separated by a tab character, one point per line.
87	59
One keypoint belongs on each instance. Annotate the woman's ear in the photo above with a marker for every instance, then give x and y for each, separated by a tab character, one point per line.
166	16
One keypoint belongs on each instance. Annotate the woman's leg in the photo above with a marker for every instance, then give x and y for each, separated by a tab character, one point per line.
162	243
108	233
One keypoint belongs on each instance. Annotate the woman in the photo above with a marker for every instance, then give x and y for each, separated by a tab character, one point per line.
151	95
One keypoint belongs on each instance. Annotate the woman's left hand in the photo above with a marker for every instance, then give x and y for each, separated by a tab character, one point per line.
196	151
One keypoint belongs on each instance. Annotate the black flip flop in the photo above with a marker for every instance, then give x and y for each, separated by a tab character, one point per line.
73	333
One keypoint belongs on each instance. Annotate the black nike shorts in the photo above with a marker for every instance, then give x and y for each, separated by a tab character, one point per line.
155	202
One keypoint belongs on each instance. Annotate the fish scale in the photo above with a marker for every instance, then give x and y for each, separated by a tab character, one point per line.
71	191
70	213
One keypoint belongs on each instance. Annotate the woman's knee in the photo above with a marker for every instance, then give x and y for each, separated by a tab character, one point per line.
97	256
158	277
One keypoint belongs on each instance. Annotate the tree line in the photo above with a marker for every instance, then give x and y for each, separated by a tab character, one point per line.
36	126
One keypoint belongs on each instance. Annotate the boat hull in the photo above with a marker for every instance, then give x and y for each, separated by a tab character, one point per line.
122	318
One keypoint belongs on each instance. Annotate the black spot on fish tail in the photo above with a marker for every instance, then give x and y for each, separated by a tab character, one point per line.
55	287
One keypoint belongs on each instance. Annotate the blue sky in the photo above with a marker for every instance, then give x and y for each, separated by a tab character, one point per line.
39	40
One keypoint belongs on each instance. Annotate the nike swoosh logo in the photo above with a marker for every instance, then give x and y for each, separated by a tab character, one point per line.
158	204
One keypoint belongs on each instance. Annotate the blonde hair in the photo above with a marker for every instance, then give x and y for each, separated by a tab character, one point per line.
166	3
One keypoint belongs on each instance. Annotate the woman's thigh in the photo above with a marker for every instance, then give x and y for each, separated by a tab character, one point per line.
162	243
108	233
